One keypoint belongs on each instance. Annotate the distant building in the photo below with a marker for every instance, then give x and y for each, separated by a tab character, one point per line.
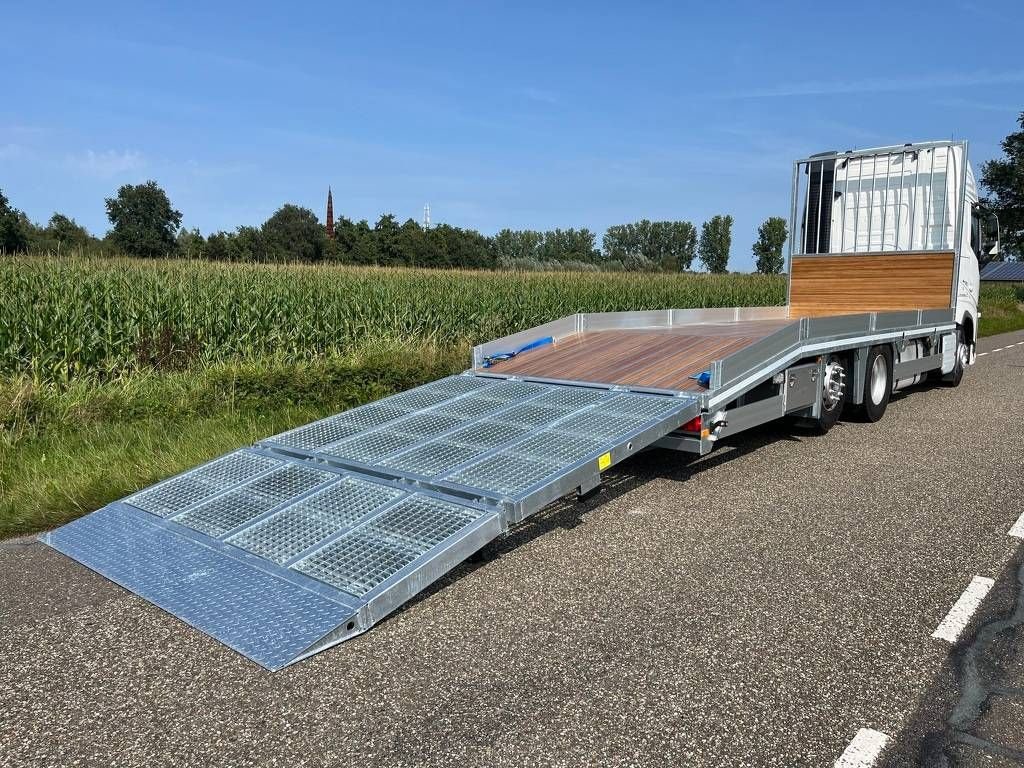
330	214
1003	272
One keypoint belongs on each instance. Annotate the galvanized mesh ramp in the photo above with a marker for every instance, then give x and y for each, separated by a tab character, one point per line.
314	535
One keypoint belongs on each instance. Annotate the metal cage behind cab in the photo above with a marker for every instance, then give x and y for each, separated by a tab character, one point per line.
901	199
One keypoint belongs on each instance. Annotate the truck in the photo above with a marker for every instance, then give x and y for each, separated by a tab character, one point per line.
308	538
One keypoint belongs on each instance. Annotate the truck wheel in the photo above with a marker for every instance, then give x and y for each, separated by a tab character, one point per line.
877	383
833	394
954	378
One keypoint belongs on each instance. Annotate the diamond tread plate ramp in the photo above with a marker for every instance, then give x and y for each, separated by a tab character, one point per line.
267	618
314	535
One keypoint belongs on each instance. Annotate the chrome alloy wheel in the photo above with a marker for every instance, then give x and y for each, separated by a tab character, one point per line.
963	352
879	377
834	383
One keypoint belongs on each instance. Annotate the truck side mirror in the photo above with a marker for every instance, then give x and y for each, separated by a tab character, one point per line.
989	236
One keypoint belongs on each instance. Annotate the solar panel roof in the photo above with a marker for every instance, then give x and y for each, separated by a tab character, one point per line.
1010	271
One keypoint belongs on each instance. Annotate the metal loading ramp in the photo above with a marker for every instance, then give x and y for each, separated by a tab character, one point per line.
312	536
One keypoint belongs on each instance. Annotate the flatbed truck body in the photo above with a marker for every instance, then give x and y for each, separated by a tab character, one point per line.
309	538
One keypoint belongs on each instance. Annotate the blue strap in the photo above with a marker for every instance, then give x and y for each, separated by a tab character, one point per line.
497	357
703	378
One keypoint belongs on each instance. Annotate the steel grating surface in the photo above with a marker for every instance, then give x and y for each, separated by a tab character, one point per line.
421	522
510	391
309	549
639	407
561	431
318	434
471	431
223	513
432	458
371	447
508	473
486	434
375	551
192	487
454	385
599	425
560	448
356	563
531	415
574	397
427	423
373	415
288	481
472	406
308	522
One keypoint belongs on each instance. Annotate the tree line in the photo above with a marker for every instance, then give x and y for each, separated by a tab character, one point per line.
144	223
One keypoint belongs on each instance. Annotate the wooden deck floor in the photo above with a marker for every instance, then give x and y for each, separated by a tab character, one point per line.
657	357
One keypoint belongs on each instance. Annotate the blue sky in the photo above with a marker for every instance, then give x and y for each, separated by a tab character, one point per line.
522	115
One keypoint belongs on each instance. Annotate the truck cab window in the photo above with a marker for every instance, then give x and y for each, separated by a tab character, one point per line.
975	230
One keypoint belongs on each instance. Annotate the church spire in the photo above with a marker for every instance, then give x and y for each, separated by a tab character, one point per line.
330	214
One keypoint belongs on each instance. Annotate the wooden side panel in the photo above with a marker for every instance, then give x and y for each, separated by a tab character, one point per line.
841	285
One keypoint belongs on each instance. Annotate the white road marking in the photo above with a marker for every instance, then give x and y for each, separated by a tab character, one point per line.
982	354
998	350
961	612
864	750
1018	528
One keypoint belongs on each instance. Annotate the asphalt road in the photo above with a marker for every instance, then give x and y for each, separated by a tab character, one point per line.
757	607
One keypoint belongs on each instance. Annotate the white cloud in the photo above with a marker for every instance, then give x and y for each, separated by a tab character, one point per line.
107	164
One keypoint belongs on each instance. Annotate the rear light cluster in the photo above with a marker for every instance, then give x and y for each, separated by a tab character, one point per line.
693	425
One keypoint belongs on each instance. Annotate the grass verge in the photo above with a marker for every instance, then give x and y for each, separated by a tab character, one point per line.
67	451
1002	309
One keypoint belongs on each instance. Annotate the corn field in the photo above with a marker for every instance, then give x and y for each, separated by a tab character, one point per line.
62	319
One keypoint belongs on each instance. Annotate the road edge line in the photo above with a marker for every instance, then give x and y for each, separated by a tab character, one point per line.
863	750
963	609
1017	529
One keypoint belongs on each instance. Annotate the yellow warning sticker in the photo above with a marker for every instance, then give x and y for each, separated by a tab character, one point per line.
604	461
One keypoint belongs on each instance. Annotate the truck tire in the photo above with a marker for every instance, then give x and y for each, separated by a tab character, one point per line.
877	383
954	378
833	394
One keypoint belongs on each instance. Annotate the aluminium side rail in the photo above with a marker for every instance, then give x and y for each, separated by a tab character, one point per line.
738	373
764	360
583	322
